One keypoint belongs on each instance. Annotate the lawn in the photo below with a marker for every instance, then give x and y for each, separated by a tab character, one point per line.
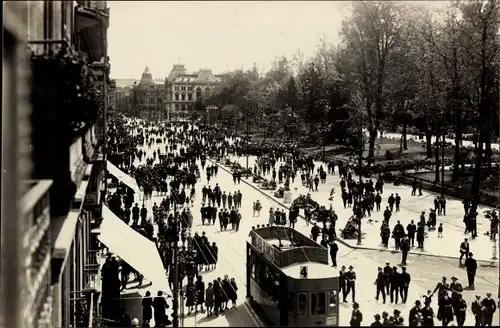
489	185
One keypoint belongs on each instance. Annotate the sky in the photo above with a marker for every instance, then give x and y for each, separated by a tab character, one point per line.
218	35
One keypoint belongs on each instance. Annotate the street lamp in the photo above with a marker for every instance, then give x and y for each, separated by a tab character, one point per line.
360	163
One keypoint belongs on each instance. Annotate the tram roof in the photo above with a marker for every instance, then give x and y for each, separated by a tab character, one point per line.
314	270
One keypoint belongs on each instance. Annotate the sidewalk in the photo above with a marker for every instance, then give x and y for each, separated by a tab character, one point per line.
411	207
365	265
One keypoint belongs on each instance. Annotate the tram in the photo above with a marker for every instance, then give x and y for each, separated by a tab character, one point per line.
289	280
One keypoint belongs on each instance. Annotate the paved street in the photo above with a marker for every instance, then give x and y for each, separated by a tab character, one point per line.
232	258
411	207
426	271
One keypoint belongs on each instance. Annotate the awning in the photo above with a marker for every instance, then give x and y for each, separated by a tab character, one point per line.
135	249
123	177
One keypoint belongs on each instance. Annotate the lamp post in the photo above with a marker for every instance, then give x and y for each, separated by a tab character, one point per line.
360	164
247	139
443	145
175	301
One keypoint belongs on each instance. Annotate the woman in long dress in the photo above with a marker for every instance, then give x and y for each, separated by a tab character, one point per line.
271	216
147	308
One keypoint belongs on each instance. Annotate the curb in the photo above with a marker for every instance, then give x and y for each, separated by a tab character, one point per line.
341	241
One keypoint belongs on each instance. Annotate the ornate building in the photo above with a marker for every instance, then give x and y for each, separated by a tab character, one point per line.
147	97
183	89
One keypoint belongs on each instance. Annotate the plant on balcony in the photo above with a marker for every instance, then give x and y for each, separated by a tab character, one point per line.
64	94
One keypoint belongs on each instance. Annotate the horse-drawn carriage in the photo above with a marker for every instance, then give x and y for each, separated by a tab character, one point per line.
350	230
258	179
280	193
268	185
303	201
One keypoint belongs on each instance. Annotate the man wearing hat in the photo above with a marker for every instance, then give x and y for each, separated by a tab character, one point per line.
471	268
377	322
413	314
455	287
388	274
356	316
489	309
350	278
476	308
459	309
464	251
385	318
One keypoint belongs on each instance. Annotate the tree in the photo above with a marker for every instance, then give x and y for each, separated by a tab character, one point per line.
292	99
480	24
312	97
372	34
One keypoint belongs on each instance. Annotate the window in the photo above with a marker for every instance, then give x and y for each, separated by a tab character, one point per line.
198	93
318	303
291	302
333	302
303	305
183	96
190	96
177	96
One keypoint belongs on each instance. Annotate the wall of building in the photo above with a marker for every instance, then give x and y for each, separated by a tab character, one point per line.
43	300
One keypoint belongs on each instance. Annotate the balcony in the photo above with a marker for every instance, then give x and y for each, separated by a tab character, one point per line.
91	25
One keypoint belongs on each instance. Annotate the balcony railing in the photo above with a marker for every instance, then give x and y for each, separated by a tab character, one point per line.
84	309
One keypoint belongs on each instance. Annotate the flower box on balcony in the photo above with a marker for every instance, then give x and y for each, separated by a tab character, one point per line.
64	102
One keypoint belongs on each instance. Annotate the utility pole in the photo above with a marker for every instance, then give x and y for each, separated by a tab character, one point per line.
247	139
443	144
360	163
175	302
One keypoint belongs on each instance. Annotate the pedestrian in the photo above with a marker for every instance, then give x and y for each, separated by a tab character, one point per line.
395	284
471	268
405	280
405	248
333	253
489	308
380	284
209	299
343	283
147	308
350	277
413	317
464	251
160	307
356	316
377	322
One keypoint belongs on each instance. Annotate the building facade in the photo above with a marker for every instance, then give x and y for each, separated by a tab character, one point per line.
123	101
148	97
183	89
57	278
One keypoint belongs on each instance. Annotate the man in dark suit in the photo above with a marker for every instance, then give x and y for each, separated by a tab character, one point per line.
380	283
464	251
471	267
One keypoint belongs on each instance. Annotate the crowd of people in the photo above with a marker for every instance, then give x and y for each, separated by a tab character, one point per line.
173	173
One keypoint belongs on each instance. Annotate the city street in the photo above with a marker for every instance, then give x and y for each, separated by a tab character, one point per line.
232	257
411	207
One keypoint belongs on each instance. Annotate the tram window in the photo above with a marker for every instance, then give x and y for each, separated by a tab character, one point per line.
303	305
333	302
318	303
291	302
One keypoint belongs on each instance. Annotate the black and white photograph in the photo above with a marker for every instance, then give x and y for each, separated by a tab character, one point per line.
250	164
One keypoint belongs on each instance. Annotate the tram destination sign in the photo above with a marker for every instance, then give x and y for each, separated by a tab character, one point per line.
263	246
